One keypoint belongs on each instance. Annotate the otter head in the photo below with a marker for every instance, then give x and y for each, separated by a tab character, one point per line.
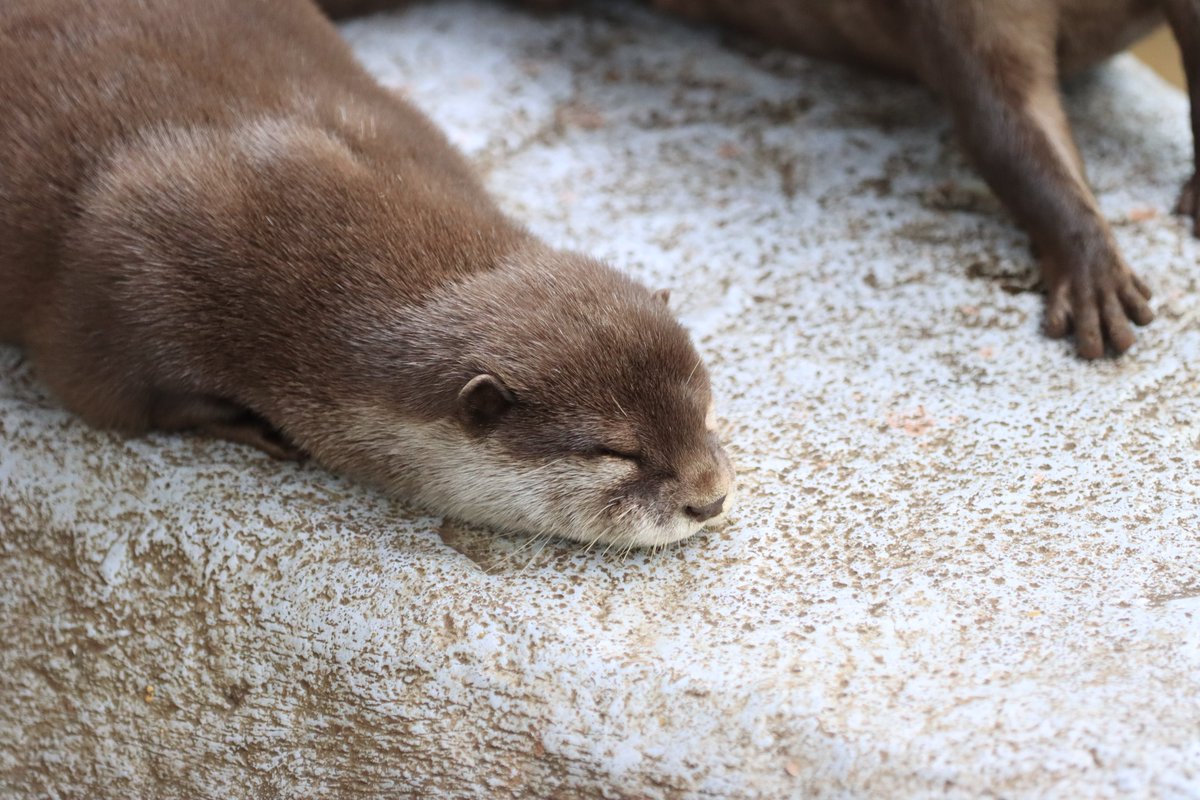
556	396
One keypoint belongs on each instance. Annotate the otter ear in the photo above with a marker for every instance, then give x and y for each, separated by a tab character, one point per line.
484	400
663	296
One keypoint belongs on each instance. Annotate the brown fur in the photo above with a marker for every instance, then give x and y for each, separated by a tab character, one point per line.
213	218
997	64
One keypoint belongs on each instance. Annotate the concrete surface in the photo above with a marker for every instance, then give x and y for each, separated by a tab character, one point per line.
965	564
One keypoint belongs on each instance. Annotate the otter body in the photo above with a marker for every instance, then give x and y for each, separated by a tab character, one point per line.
212	218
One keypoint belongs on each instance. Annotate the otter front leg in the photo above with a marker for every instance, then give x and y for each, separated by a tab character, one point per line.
221	419
997	69
1184	16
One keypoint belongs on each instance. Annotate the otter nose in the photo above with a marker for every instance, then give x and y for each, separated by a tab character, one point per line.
705	513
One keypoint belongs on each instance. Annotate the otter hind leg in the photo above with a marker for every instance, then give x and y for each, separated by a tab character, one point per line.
222	419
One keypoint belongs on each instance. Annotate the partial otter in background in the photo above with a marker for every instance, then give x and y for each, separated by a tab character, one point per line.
997	64
213	218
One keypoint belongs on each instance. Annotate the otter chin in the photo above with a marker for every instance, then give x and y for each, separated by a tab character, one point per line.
272	249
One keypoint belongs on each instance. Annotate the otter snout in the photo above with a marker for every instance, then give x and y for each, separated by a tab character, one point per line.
710	494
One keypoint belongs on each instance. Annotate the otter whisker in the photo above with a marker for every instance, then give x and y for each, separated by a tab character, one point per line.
595	519
503	562
526	550
523	547
545	543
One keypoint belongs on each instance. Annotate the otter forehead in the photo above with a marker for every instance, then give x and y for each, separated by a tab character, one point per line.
588	336
635	353
562	316
546	319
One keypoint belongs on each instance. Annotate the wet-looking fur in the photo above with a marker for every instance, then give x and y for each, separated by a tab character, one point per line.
214	219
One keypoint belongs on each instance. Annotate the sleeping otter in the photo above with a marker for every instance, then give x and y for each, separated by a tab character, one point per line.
214	219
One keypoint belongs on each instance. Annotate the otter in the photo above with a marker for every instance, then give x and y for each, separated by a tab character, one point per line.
997	64
214	219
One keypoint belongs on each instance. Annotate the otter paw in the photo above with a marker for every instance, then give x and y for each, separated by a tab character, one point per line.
1189	203
1098	307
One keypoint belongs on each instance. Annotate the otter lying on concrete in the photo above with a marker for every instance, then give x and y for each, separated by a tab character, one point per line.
214	219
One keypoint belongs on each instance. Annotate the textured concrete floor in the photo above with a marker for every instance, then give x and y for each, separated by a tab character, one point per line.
964	563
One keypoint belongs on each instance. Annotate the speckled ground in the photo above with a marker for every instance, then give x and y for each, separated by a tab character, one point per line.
963	564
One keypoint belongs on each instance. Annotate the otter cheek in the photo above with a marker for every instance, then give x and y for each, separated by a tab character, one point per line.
589	504
635	514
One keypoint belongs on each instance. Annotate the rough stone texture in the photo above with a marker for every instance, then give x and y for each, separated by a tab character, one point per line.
964	563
